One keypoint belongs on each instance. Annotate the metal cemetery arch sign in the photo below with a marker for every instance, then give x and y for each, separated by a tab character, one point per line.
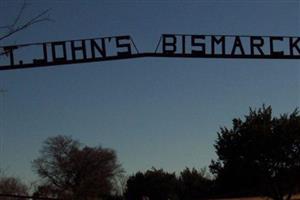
169	45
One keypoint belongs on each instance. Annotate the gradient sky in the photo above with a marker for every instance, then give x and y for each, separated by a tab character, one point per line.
161	112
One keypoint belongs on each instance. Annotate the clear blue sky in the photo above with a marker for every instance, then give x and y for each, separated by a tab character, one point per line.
161	112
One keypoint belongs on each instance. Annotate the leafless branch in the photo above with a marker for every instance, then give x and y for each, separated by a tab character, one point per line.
37	19
20	14
17	26
17	19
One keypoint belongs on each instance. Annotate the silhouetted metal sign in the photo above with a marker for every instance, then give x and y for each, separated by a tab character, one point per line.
169	45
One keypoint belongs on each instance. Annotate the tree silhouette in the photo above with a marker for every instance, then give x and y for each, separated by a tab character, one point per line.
194	185
153	184
73	172
12	186
260	155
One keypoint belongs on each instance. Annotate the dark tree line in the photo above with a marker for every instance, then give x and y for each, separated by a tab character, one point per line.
13	186
258	155
161	185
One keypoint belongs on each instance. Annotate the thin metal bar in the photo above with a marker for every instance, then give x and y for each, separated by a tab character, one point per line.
157	46
149	54
134	44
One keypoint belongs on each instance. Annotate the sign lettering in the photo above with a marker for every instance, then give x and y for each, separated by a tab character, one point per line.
169	45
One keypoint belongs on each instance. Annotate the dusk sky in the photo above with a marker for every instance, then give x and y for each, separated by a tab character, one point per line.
155	112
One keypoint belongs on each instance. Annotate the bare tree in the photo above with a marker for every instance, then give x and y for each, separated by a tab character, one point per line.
12	186
71	171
